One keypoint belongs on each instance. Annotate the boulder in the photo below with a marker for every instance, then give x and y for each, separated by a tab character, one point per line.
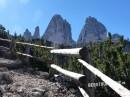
5	78
10	64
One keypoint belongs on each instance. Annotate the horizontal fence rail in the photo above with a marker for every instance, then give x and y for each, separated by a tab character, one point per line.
74	51
29	44
19	53
6	48
23	54
7	40
73	75
118	88
30	56
83	92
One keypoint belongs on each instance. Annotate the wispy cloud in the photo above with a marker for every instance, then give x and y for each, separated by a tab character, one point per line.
3	3
24	1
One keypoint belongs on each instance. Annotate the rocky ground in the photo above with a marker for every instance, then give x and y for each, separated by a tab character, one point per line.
25	82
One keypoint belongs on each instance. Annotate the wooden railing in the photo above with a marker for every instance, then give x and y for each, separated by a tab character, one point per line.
118	88
28	44
73	75
27	51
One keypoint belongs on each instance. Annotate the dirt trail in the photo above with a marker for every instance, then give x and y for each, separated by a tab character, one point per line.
30	83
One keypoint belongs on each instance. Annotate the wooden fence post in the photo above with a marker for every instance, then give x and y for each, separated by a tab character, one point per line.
13	49
27	51
85	55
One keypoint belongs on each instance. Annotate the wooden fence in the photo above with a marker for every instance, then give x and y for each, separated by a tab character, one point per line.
83	53
118	88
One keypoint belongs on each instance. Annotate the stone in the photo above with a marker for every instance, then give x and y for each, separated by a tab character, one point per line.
4	69
26	84
49	94
1	92
10	64
42	74
5	78
93	31
58	31
5	52
36	92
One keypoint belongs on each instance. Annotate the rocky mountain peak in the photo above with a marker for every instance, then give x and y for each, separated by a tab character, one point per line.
58	31
36	33
91	19
27	35
93	31
57	16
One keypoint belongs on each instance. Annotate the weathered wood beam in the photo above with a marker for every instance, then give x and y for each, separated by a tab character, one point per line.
33	57
5	40
74	51
70	74
23	54
83	92
29	44
118	88
4	47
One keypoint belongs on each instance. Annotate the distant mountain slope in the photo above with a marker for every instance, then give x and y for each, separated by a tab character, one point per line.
36	33
27	35
58	31
92	31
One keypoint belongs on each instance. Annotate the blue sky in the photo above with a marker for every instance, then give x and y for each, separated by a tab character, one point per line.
17	15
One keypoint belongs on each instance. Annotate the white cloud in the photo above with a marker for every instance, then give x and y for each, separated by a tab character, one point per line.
3	3
24	1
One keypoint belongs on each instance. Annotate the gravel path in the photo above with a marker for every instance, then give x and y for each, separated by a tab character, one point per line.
25	84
